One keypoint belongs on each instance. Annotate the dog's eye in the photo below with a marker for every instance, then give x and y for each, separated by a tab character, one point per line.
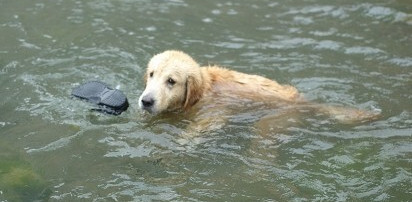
151	74
171	82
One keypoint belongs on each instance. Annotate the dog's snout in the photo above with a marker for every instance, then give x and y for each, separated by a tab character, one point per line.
147	101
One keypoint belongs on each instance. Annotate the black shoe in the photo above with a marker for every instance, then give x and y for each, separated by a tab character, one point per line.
113	101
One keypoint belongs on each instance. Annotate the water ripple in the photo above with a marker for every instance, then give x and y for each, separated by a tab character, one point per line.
349	53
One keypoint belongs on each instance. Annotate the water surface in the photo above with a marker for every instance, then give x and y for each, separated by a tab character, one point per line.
351	53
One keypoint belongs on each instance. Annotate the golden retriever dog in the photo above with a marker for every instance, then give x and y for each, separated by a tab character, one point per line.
175	82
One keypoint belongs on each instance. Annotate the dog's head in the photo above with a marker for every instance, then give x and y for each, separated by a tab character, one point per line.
174	81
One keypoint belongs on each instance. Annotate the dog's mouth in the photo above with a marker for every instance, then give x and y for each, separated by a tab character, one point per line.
149	110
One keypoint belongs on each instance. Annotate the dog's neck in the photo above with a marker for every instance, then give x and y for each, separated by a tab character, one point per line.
206	79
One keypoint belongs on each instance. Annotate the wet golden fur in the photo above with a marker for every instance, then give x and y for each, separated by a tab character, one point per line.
175	82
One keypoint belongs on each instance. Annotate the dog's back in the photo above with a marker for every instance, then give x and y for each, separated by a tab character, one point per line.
250	86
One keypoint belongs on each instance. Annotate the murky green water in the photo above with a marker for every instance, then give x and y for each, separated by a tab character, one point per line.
354	53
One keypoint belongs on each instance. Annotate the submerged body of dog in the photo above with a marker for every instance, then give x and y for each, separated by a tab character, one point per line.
175	82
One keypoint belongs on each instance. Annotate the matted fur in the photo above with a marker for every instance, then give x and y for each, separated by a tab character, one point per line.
176	82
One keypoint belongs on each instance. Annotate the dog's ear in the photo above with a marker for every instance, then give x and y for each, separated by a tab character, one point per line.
145	78
194	92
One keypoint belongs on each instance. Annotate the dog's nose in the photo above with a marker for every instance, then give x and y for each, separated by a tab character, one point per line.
147	101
